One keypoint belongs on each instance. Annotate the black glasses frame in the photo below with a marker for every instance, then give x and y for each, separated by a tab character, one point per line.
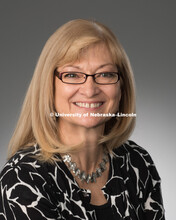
59	75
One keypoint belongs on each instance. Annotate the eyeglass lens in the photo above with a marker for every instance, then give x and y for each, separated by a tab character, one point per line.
78	78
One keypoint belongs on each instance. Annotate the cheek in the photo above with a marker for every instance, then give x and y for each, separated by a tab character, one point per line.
59	96
63	95
114	93
118	95
115	98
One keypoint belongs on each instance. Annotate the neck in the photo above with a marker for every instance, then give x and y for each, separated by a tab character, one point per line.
91	154
89	157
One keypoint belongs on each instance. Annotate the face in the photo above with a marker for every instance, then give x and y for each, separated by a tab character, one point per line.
89	97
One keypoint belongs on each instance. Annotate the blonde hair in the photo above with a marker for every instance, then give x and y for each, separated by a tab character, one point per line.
35	124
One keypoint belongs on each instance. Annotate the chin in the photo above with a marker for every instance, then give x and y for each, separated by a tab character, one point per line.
91	122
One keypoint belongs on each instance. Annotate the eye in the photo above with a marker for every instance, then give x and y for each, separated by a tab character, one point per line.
108	75
71	75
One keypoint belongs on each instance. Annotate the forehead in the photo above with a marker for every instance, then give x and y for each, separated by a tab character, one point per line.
98	54
99	51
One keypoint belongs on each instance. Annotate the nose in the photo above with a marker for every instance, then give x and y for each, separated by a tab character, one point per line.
90	88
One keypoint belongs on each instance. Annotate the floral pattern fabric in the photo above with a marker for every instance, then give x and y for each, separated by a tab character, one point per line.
30	189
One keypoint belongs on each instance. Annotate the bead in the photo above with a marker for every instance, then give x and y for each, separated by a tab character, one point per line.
77	172
88	178
93	178
72	166
105	159
98	172
81	174
66	158
103	166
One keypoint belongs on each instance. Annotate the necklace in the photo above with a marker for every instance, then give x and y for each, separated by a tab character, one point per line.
88	178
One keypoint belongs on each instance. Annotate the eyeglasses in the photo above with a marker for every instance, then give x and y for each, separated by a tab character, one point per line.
104	78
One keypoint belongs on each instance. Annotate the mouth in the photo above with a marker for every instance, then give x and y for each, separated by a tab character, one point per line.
89	105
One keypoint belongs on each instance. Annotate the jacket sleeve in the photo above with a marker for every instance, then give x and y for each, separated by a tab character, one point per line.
148	184
153	202
25	194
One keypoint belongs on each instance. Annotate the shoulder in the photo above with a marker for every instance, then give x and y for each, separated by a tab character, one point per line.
27	182
134	152
23	167
23	157
136	160
130	147
135	165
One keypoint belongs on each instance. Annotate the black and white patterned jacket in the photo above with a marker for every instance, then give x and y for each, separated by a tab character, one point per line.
33	190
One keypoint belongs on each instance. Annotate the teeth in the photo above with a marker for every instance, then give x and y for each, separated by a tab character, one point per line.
88	105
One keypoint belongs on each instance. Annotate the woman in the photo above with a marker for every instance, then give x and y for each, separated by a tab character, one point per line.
70	157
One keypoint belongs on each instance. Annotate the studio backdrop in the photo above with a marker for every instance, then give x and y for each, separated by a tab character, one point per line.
146	29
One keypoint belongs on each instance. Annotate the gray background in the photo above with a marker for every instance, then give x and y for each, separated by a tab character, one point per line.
146	29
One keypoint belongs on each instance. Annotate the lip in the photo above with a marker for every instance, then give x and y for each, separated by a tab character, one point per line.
89	103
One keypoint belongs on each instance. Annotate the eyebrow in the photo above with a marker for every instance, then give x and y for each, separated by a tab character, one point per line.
101	66
107	64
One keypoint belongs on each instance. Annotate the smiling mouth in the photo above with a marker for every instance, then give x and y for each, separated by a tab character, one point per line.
88	105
